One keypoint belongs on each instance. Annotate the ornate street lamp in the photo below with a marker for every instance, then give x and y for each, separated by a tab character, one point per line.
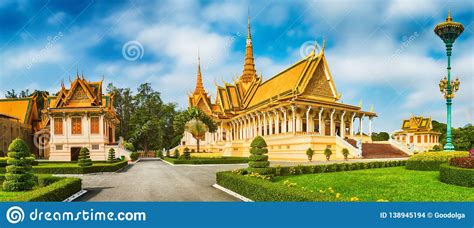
448	31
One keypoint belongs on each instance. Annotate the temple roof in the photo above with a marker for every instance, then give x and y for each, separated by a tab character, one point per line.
417	123
22	109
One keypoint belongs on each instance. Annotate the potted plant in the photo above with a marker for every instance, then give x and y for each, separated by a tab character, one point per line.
328	153
345	153
310	153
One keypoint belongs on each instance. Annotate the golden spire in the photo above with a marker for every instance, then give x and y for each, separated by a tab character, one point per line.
249	72
199	85
449	18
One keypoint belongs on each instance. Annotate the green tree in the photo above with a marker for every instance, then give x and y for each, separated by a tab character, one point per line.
328	153
310	153
258	160
124	107
197	129
111	157
19	176
381	136
129	146
183	117
84	158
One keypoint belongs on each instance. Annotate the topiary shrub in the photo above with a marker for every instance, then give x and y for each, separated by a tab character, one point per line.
111	157
193	151
328	153
134	156
430	161
186	153
19	176
258	160
159	154
345	153
310	153
84	158
176	153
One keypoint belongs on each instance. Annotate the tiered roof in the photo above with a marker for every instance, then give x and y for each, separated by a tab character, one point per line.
307	81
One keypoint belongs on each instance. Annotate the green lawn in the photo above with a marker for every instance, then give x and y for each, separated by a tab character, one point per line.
392	184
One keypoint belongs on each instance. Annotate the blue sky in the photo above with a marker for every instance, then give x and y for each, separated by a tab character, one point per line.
380	53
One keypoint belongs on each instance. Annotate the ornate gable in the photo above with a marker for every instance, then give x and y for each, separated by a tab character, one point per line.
319	82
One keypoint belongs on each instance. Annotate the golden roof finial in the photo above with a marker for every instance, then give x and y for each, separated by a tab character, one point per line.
324	46
248	23
199	85
449	18
249	72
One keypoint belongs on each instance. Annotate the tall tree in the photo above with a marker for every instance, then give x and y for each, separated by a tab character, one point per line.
185	116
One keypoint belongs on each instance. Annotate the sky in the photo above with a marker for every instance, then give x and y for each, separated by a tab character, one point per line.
381	54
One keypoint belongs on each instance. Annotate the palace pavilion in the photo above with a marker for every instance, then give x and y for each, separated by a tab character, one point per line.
294	110
417	133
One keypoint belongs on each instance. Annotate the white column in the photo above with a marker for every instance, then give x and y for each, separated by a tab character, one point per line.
321	121
264	124
284	126
307	119
254	126
293	122
332	122
259	124
360	124
221	135
343	125
370	126
277	121
351	127
270	123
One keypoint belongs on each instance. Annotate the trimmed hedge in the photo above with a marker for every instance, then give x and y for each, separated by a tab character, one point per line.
430	161
335	167
57	191
262	190
197	161
95	168
457	176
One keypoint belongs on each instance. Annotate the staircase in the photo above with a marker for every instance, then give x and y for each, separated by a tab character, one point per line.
379	150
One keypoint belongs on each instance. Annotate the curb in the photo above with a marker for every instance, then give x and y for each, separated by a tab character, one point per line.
232	193
75	195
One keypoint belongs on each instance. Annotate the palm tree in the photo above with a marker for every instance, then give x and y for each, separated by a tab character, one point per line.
198	129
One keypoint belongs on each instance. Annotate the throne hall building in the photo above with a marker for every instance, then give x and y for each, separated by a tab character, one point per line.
294	110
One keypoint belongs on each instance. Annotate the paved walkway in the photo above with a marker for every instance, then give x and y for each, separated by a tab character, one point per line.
156	181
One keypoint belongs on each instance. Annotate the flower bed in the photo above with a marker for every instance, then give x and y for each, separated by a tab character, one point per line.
430	161
455	175
197	161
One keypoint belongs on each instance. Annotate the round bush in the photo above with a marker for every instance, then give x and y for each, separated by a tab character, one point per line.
258	157
258	142
456	176
430	161
111	157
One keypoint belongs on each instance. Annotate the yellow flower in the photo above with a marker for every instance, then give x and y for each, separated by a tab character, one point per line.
382	200
321	191
354	198
338	195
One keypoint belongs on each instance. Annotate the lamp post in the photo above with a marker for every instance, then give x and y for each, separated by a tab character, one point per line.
448	31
